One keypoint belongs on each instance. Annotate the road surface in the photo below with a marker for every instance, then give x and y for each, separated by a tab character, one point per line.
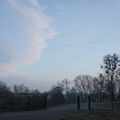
49	114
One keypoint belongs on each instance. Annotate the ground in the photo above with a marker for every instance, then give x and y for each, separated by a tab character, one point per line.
95	115
65	112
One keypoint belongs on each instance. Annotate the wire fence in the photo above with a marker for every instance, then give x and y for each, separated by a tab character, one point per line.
26	102
99	103
22	102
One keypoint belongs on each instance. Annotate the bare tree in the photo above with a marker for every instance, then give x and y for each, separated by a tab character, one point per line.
84	85
20	89
56	95
66	84
111	66
4	89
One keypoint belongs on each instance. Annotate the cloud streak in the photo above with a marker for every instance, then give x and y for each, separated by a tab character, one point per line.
37	28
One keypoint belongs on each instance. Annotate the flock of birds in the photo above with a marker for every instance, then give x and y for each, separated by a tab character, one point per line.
80	44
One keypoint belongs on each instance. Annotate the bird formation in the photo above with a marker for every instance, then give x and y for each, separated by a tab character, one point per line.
80	44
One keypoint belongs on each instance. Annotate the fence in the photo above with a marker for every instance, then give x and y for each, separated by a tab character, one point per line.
22	102
93	103
42	101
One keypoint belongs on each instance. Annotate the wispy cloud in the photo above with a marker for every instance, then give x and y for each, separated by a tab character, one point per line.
35	3
37	26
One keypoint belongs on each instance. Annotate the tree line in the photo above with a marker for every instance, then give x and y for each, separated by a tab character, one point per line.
104	87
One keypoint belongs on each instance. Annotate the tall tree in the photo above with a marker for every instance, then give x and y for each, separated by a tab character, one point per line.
111	67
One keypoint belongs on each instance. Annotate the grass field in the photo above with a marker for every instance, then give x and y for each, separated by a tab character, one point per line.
95	115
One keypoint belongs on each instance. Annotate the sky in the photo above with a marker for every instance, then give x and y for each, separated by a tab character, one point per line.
45	41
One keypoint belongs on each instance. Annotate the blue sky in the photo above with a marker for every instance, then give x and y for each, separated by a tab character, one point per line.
44	41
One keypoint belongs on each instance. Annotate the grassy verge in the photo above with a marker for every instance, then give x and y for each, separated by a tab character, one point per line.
95	115
116	105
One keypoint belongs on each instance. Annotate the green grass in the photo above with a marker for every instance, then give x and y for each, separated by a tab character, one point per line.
95	115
